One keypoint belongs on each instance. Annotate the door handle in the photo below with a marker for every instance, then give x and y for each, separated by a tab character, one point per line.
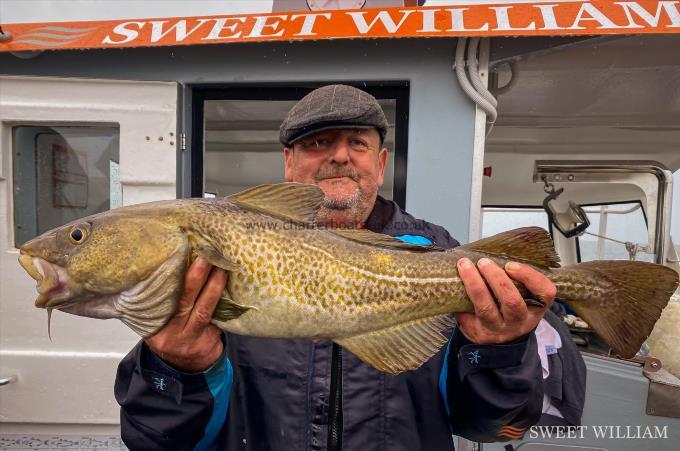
7	380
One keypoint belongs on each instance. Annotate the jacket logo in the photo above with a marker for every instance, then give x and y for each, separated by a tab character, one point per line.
473	356
159	383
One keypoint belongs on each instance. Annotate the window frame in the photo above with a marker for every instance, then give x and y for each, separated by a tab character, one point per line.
637	201
517	207
197	95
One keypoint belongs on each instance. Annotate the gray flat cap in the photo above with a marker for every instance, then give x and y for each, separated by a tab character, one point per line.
332	106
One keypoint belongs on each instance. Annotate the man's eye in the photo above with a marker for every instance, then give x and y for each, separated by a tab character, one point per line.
358	144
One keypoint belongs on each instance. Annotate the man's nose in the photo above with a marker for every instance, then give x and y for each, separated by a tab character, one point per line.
340	153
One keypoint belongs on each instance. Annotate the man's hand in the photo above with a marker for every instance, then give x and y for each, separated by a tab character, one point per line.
189	342
490	324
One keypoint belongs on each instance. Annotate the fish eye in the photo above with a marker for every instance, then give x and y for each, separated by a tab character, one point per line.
79	233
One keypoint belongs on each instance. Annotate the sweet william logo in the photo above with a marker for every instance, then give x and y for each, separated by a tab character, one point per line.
444	19
630	432
52	36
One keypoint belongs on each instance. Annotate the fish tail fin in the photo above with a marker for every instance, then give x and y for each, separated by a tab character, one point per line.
621	300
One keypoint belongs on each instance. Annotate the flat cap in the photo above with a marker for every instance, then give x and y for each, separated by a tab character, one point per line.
332	106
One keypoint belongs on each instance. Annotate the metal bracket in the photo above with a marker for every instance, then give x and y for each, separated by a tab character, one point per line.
5	35
663	396
652	364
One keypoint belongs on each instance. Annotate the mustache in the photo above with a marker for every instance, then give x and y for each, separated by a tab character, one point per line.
332	172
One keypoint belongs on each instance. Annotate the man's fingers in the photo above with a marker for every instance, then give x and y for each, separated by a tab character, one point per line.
512	305
204	308
194	279
537	283
485	307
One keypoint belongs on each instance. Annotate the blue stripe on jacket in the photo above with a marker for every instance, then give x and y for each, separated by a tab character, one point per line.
219	379
443	375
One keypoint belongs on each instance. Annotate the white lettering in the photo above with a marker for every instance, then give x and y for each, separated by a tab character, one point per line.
216	31
308	24
458	21
601	431
596	15
659	433
121	29
382	16
157	32
261	24
428	21
549	20
652	21
504	21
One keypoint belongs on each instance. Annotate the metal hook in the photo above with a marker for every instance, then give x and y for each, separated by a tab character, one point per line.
548	187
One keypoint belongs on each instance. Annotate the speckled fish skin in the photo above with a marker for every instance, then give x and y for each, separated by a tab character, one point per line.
313	283
301	282
288	279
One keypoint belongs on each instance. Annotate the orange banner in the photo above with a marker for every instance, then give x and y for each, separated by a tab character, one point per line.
504	19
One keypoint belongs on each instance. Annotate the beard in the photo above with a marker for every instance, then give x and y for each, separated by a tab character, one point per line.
343	204
348	202
349	209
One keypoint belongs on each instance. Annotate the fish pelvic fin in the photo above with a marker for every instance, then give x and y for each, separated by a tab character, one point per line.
228	309
531	245
215	258
621	300
403	347
296	202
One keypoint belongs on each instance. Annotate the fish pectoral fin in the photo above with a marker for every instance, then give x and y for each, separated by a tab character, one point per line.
228	309
296	202
531	245
215	258
403	347
378	239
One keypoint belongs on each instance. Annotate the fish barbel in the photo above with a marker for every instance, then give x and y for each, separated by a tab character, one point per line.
386	301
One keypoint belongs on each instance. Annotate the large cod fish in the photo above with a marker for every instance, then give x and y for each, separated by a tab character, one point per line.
386	301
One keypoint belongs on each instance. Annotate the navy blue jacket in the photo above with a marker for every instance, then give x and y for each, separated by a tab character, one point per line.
272	394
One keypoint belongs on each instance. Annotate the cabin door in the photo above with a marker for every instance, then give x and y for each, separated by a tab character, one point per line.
70	148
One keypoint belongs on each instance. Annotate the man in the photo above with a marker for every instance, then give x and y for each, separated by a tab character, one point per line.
192	387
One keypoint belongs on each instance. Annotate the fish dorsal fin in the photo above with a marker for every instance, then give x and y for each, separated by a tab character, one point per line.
378	239
531	245
404	347
297	202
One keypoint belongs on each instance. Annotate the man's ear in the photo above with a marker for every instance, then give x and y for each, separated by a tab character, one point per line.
288	164
382	164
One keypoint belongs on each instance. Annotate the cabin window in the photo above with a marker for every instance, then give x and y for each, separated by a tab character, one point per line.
61	174
236	145
499	219
675	217
611	227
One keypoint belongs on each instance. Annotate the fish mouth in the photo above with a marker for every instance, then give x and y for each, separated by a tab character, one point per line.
52	281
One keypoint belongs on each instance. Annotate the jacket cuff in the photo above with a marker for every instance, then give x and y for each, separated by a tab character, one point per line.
472	356
175	382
